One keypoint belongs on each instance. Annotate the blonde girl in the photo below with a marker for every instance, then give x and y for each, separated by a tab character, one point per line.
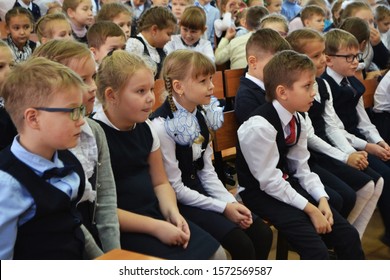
19	25
150	221
155	28
80	15
98	205
183	124
7	128
53	26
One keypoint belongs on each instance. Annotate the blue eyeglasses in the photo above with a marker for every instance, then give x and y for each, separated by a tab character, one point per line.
75	113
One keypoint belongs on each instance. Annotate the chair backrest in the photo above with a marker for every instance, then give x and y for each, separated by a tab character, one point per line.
159	89
226	136
232	81
368	96
3	30
218	85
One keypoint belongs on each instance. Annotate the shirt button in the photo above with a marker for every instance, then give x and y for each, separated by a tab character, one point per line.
192	176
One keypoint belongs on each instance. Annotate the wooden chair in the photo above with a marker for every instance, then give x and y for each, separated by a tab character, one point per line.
218	85
159	89
3	30
368	96
225	139
231	80
120	254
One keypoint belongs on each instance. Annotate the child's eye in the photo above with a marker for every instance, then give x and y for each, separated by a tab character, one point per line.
141	91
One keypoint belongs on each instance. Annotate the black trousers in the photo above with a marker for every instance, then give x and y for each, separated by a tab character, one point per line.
297	227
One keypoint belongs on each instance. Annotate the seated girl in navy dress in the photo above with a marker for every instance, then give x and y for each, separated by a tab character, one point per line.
149	219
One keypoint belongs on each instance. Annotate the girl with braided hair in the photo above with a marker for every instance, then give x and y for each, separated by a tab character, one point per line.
183	124
149	219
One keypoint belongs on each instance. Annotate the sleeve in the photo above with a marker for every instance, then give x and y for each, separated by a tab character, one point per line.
317	144
245	103
257	139
222	25
91	249
207	50
134	46
106	201
381	52
365	126
170	46
222	53
16	208
298	157
156	139
381	97
184	194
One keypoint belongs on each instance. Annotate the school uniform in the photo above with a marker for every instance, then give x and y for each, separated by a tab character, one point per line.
202	46
349	106
129	151
39	219
24	53
264	160
251	95
380	114
201	195
7	129
140	46
33	8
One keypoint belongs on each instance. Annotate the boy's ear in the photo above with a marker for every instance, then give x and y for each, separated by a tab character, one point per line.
363	44
93	50
281	93
306	22
177	87
251	61
329	60
31	118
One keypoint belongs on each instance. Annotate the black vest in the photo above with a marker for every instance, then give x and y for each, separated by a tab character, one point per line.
160	52
54	232
184	156
316	111
345	101
245	177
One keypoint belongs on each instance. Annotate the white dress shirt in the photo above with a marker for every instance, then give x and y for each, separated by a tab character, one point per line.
365	126
382	95
257	142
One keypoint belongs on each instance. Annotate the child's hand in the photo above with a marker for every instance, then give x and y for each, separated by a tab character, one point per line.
375	36
358	160
230	33
377	150
323	206
179	221
238	214
170	234
319	221
385	146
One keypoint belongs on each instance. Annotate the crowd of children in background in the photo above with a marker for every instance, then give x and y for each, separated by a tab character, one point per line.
87	167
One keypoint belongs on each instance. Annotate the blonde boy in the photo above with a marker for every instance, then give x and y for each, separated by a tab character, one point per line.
313	16
41	181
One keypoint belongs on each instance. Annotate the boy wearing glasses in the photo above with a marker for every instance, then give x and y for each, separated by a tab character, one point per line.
342	59
40	180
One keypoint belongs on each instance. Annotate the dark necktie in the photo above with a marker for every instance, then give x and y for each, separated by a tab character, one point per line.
292	137
57	172
344	83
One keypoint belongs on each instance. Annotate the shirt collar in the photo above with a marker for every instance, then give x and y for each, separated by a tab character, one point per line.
336	76
178	106
284	115
21	3
37	163
257	81
192	46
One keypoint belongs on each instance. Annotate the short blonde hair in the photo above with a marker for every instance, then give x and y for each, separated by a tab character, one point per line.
98	33
44	26
110	11
300	37
35	83
64	52
336	39
116	69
